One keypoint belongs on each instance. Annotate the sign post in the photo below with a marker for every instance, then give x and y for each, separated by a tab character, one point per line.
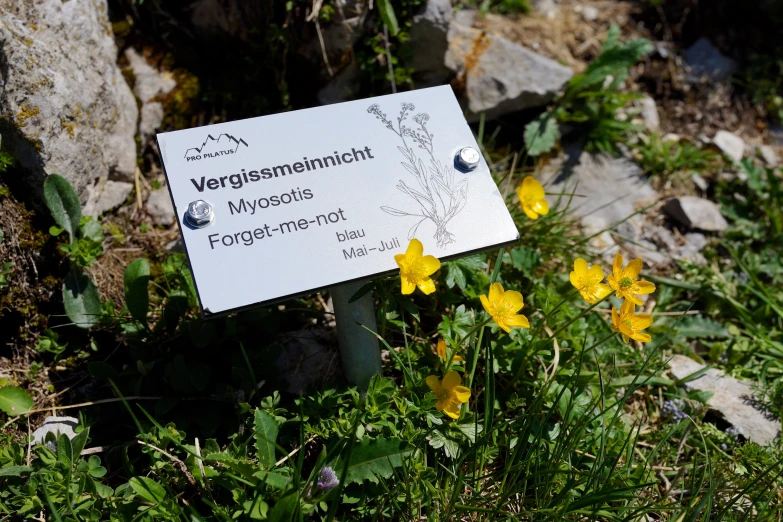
281	206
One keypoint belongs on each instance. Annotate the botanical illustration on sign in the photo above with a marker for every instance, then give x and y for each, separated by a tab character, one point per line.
439	194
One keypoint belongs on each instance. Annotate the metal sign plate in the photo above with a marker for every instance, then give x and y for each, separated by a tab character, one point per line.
304	200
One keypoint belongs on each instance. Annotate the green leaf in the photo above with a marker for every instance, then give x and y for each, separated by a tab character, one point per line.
265	434
63	203
698	327
81	299
79	441
91	229
148	489
285	509
15	471
64	449
15	401
541	134
388	16
137	277
371	459
102	371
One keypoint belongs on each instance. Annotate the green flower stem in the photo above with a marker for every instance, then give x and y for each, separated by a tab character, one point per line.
584	312
475	353
552	312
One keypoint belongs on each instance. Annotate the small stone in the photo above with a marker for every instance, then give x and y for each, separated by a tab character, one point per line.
149	82
108	197
650	113
671	137
58	426
705	61
700	182
732	399
151	119
176	246
692	249
159	207
589	13
546	8
693	212
768	155
730	144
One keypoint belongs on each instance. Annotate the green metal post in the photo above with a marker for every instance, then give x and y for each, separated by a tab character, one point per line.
359	349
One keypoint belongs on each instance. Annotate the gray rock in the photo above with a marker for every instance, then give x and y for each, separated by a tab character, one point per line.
732	399
768	155
343	87
429	42
501	76
110	195
149	82
692	249
151	119
705	61
613	188
693	212
176	246
700	182
65	106
590	13
730	144
56	425
650	113
776	133
159	207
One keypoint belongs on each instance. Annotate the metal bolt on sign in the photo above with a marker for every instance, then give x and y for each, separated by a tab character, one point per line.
468	158
199	214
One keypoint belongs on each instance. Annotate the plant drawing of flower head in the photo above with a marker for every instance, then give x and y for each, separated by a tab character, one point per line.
437	191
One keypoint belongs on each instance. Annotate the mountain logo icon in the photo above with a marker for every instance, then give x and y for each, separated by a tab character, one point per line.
213	147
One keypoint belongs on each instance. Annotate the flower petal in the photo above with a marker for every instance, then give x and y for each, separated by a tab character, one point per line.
641	321
415	249
615	318
641	337
535	189
430	264
503	325
588	295
542	207
440	349
518	320
596	274
633	269
485	303
628	308
452	410
529	212
575	282
407	286
602	291
442	404
426	285
515	299
462	394
645	287
451	379
399	258
580	267
434	383
635	300
617	267
495	292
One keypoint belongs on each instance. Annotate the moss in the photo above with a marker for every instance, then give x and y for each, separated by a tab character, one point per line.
26	113
179	105
68	126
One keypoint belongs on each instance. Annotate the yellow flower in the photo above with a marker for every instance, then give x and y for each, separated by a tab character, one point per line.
503	307
415	269
441	348
531	197
450	394
588	281
623	280
630	324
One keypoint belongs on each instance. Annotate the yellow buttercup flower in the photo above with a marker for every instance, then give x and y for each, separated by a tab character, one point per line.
624	280
441	349
588	281
630	325
531	197
503	307
415	268
449	393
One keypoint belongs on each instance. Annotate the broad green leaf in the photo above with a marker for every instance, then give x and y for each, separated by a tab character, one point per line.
15	471
541	134
266	429
371	459
64	449
81	299
15	401
388	16
63	203
79	441
148	489
285	509
698	327
90	228
137	277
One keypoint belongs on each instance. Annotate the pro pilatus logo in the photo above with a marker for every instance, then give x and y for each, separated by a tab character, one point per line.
213	147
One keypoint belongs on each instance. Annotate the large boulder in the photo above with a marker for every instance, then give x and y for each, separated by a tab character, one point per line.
64	105
500	76
429	43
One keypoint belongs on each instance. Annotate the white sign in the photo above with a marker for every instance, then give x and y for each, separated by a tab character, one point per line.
300	201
